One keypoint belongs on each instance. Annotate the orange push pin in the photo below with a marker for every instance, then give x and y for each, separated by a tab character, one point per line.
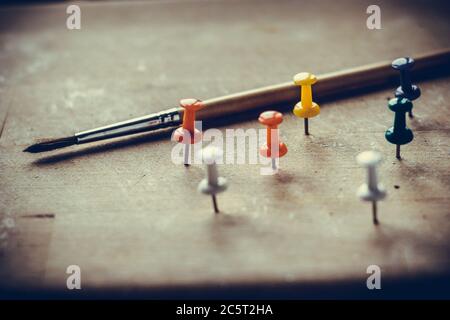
187	133
274	148
306	108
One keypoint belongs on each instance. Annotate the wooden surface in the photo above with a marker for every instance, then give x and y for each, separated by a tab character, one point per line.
132	219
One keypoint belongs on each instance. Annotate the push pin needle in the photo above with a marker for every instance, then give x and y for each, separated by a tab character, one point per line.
212	184
372	190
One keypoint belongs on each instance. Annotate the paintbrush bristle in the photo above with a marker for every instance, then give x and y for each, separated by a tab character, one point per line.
48	144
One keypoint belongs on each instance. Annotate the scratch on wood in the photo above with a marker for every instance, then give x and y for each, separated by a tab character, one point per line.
6	117
139	180
39	216
3	123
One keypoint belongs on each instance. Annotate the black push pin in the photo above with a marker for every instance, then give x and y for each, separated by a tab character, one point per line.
399	134
406	88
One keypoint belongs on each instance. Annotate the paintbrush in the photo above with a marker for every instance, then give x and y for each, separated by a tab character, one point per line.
152	122
366	77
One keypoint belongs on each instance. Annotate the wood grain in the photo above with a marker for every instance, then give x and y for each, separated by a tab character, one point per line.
130	218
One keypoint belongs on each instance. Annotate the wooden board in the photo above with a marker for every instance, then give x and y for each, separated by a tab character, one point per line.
133	220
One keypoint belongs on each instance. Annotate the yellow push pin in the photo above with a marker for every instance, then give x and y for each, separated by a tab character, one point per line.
306	108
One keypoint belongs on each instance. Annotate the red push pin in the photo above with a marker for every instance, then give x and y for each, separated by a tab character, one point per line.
274	148
187	133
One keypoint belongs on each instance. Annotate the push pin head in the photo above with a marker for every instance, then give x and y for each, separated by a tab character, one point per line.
274	148
306	108
400	105
187	133
399	134
403	63
372	190
213	184
304	79
191	104
406	88
271	118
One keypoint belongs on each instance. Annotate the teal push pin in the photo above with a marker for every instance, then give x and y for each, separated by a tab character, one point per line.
399	134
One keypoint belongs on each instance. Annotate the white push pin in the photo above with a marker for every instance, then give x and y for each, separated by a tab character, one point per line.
372	190
213	184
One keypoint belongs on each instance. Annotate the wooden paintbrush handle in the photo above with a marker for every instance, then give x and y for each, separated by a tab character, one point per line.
328	85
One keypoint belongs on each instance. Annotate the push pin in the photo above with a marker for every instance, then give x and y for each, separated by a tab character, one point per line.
372	190
187	133
399	134
213	184
306	108
406	88
274	148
